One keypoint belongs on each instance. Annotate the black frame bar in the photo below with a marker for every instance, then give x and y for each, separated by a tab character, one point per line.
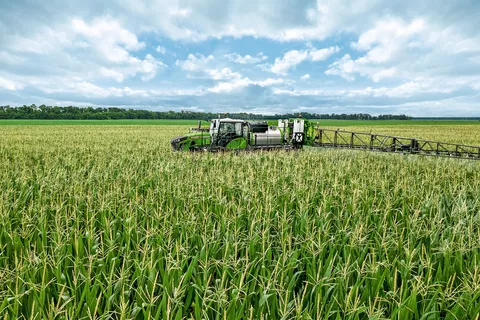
385	143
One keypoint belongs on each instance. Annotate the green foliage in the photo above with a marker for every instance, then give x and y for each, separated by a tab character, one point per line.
70	112
193	123
106	222
135	122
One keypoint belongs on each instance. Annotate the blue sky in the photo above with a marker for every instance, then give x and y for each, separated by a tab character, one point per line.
414	57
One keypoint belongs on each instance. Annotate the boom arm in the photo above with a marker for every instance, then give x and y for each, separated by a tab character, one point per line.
384	143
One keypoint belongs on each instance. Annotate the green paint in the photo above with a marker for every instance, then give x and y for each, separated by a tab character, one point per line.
201	135
195	139
238	143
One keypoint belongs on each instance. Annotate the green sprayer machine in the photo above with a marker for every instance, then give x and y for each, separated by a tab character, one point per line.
236	135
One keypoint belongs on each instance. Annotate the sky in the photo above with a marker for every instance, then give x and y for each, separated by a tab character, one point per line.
420	58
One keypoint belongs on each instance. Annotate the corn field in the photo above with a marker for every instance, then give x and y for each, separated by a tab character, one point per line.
105	222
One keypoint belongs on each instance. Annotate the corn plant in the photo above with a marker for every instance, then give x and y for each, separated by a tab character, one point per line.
105	222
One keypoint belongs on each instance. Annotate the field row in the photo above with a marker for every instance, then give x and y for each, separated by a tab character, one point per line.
105	221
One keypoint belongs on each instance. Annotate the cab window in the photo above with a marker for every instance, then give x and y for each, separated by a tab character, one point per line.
227	128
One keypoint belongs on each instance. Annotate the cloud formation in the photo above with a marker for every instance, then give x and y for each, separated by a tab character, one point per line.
266	56
247	59
294	57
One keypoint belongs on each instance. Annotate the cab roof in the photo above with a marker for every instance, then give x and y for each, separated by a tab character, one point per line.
230	120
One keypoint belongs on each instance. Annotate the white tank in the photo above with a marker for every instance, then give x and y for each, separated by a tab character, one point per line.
271	137
298	126
282	124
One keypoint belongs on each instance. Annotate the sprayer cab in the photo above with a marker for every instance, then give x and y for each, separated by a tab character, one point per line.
224	131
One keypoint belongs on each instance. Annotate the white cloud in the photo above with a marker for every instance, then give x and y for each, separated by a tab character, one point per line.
388	31
146	68
282	20
99	49
224	74
225	87
348	68
106	36
149	66
475	85
384	73
205	67
294	57
345	67
109	31
247	59
406	90
322	54
44	41
272	94
397	57
90	50
269	82
114	45
305	77
195	63
397	49
90	90
111	73
9	85
290	60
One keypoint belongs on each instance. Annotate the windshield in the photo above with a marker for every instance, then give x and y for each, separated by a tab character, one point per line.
230	128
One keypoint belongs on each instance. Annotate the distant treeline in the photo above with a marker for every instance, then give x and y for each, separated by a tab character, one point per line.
90	113
446	118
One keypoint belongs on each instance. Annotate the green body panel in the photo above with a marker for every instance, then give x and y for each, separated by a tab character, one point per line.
238	143
196	139
198	134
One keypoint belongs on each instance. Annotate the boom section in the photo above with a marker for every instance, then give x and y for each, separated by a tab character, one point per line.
384	143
